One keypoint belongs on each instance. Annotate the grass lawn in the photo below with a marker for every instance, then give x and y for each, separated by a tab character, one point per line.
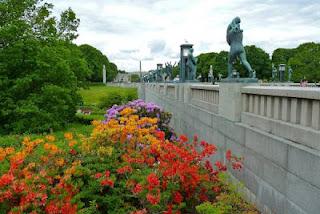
93	95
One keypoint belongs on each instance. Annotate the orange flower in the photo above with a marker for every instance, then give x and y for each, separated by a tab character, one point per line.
50	138
72	143
68	136
9	150
60	162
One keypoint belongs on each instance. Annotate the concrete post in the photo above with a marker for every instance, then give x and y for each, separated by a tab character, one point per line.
230	100
142	91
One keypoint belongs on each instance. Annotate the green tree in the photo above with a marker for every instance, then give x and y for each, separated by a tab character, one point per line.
203	64
40	70
96	60
306	62
282	56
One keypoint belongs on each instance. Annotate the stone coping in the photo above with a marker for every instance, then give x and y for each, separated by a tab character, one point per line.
205	87
282	91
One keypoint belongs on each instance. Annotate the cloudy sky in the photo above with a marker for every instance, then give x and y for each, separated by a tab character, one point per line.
152	30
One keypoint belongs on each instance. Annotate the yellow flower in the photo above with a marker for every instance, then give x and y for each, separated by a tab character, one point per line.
102	151
31	165
60	162
50	138
9	150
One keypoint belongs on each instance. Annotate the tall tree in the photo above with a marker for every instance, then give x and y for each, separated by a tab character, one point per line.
40	70
96	60
306	62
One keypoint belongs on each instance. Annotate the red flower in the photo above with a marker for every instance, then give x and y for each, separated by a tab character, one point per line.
52	208
137	189
107	182
195	138
161	135
153	199
183	139
73	152
228	155
69	208
237	165
216	189
107	173
6	179
98	175
220	166
124	170
153	181
177	197
150	161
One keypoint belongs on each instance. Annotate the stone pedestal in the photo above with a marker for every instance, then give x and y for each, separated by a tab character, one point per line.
230	100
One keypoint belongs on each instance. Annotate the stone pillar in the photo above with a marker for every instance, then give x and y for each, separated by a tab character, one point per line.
142	91
104	75
230	100
187	93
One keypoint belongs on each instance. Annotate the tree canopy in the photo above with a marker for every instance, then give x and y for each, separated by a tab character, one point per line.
40	68
96	60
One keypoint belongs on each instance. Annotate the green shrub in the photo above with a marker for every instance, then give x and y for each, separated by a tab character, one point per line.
110	100
209	208
87	119
131	95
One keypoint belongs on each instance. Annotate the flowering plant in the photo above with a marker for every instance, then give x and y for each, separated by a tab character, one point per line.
129	164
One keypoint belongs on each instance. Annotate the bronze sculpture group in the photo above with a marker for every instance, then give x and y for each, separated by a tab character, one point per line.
188	63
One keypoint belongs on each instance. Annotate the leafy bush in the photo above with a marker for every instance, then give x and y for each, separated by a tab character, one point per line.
110	100
130	95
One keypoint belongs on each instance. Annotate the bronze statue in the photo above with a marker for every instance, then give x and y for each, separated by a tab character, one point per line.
234	39
169	70
191	66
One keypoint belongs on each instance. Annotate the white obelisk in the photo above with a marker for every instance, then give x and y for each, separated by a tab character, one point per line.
104	74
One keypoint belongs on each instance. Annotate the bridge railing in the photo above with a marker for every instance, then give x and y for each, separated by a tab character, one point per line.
289	112
205	96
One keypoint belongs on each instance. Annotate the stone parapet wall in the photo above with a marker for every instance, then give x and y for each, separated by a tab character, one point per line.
281	155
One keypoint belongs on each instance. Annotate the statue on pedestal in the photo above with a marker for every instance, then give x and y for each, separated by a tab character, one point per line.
191	66
274	72
169	71
234	39
210	75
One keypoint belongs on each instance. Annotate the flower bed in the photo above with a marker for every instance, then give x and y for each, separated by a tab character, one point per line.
131	163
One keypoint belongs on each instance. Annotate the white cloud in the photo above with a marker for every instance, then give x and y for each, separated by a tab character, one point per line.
152	30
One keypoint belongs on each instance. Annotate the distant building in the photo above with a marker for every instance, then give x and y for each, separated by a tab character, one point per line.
126	77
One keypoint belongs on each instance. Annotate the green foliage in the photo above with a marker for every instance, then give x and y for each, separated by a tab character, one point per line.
218	62
110	100
209	208
96	60
40	69
87	119
304	60
259	60
282	56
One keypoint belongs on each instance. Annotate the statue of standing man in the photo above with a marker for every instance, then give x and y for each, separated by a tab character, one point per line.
191	66
234	39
